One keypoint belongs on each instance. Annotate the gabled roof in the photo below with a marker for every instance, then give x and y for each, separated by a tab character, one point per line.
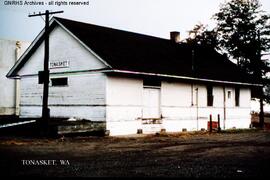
129	52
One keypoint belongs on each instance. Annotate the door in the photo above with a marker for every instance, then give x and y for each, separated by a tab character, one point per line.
151	103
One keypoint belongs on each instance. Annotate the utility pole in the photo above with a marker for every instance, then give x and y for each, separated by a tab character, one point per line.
44	75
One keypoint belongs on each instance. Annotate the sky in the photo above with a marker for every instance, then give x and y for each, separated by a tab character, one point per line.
152	17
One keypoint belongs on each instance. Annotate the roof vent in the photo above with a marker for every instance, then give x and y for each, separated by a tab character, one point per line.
175	36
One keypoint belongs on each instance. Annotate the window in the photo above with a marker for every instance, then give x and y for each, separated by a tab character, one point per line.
210	97
237	96
229	94
151	82
59	81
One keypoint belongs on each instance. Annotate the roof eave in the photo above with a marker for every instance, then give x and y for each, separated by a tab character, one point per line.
186	78
83	44
13	71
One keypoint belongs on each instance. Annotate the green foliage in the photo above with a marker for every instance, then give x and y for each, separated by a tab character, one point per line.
243	31
201	35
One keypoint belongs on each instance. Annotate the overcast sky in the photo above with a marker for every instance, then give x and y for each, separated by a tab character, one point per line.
152	17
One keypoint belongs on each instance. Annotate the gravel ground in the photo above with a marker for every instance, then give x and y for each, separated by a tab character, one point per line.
228	154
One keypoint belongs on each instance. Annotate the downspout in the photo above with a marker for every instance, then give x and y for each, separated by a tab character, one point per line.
196	90
192	94
224	107
17	82
197	107
193	73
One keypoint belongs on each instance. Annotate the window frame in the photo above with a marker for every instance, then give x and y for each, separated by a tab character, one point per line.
152	82
58	85
237	97
229	94
210	96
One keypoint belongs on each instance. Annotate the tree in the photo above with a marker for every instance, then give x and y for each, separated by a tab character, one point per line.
202	36
243	31
267	93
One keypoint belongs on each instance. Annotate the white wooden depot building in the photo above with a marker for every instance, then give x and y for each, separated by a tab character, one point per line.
132	81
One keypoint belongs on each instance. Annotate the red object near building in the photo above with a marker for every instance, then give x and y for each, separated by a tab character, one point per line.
214	125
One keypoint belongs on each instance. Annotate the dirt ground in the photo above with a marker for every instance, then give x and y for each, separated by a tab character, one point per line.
228	154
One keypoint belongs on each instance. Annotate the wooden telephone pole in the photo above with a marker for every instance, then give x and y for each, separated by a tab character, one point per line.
44	75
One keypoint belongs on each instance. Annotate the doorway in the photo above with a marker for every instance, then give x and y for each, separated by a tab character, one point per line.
151	102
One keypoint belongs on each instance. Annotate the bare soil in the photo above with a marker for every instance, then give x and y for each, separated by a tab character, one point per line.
227	154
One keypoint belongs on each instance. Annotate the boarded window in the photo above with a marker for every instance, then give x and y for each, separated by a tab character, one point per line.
59	81
210	97
237	96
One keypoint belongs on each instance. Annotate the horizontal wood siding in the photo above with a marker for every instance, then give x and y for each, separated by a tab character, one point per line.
124	105
83	97
125	97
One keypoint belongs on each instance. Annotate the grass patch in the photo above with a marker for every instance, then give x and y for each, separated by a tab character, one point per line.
179	134
199	133
232	131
